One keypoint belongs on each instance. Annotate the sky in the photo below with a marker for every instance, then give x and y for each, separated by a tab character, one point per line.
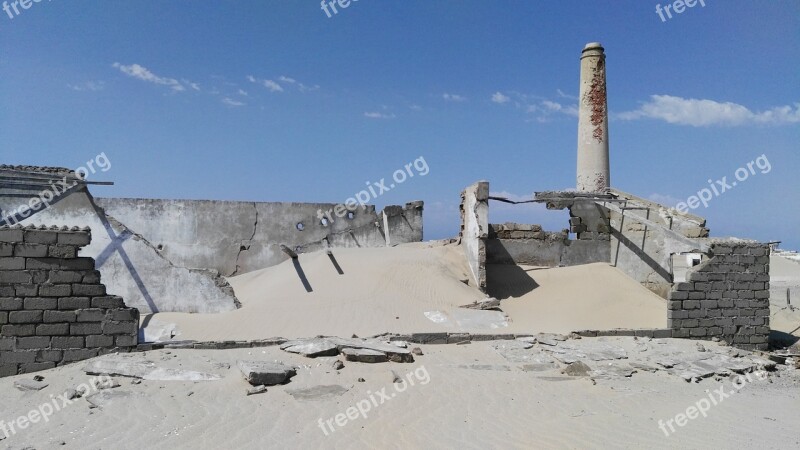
283	101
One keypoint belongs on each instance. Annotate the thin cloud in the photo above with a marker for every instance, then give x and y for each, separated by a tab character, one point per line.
232	103
93	86
706	113
378	115
453	97
498	97
143	74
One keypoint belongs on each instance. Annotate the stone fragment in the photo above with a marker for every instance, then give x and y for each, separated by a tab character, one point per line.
337	365
29	385
364	355
311	348
417	351
487	304
267	373
577	369
256	390
317	392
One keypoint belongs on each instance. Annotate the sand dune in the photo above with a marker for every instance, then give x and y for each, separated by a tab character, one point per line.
390	290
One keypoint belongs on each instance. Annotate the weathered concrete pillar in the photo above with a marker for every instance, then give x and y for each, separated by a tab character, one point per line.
593	167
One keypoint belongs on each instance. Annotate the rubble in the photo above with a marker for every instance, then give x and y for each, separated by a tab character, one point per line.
146	370
266	373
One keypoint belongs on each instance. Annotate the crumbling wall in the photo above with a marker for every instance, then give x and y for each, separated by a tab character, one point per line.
726	297
239	237
54	308
475	229
512	243
645	252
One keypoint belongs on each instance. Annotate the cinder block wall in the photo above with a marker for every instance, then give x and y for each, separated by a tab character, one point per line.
726	297
53	307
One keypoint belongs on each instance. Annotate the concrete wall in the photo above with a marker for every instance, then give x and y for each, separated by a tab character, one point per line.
54	308
727	296
475	229
644	252
239	237
171	255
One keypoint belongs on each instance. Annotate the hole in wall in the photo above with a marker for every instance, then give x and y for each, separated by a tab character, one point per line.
243	248
160	247
351	215
324	222
300	226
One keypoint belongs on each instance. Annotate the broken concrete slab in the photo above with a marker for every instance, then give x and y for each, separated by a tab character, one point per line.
577	369
487	304
317	392
146	370
364	355
30	385
311	348
267	373
256	390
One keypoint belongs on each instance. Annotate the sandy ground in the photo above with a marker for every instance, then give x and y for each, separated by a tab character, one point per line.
391	289
463	396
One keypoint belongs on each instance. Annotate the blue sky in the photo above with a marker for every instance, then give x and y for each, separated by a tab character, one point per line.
276	101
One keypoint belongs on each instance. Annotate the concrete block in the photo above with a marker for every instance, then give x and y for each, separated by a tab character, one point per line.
71	303
126	341
49	356
30	250
713	295
67	276
80	238
7	344
10	304
30	343
678	295
120	328
680	333
40	236
662	334
127	314
3	317
16	263
17	357
64	342
35	367
25	317
40	303
79	354
12	235
16	277
81	329
697	295
708	304
698	332
53	329
8	370
690	323
6	249
109	302
18	330
60	264
99	341
91	315
89	290
62	251
26	290
691	304
91	277
59	316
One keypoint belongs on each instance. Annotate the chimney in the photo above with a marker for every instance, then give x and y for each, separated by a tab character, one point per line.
593	167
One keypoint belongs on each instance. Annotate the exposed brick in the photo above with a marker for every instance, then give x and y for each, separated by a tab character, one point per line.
55	290
11	235
26	290
125	314
30	250
79	354
91	290
16	277
6	344
3	317
91	315
109	302
49	355
41	236
74	238
17	263
59	316
127	341
80	329
6	249
64	342
7	370
53	329
60	264
92	277
69	303
35	367
62	251
66	276
18	330
25	317
10	304
41	303
30	343
17	357
99	341
120	328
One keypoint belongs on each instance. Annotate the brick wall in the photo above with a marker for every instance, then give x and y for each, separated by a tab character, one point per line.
727	296
53	307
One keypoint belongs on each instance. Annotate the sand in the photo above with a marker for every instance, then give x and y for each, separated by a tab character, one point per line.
390	290
494	405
